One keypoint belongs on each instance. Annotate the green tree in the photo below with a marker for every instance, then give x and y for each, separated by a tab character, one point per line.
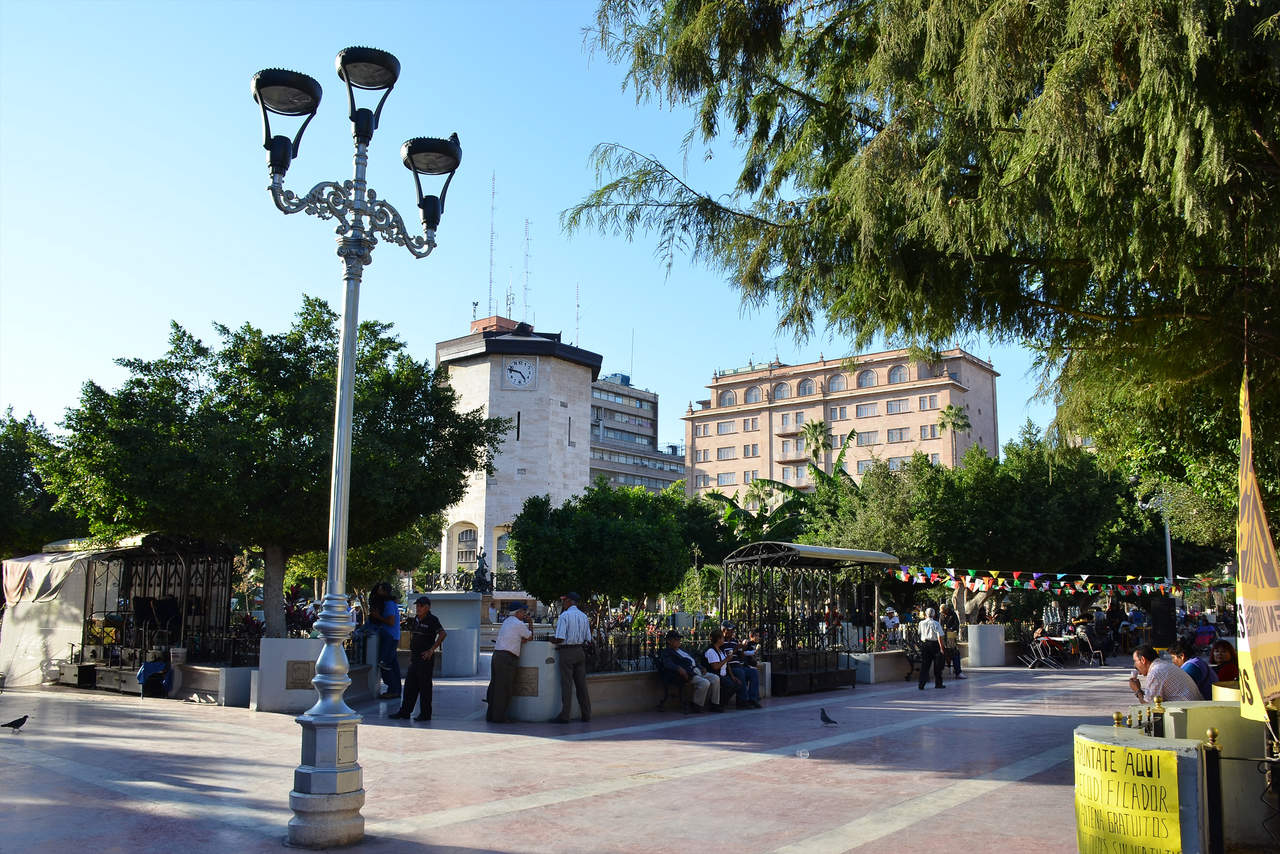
234	443
954	419
1097	181
377	561
623	542
818	440
28	519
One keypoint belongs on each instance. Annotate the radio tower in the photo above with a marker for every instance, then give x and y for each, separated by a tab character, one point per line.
493	197
525	317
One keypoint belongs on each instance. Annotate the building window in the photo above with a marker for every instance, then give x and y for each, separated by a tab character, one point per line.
467	545
726	478
704	480
839	413
799	474
786	472
786	447
781	391
799	444
866	410
786	420
748	476
898	434
726	453
836	382
752	450
804	388
835	441
752	395
870	437
724	427
928	401
750	424
898	374
928	431
864	466
866	379
728	398
936	459
893	407
800	418
896	463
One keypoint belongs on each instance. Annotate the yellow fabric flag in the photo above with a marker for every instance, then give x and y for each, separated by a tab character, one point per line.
1257	585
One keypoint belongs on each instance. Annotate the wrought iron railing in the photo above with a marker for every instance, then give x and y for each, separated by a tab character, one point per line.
465	579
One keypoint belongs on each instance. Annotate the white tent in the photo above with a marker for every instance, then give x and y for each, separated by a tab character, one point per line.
45	615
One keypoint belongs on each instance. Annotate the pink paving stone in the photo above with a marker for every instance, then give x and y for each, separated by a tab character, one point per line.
112	773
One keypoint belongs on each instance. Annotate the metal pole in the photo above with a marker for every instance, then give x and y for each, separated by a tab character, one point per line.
328	787
1168	552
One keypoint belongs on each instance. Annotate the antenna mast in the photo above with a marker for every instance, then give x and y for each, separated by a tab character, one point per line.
493	201
526	272
577	314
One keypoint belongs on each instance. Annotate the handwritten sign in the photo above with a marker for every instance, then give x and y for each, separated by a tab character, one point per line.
1126	799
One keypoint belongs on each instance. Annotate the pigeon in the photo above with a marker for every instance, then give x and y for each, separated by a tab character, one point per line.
17	723
826	719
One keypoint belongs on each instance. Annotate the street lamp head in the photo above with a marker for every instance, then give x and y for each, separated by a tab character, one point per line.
370	69
426	155
284	93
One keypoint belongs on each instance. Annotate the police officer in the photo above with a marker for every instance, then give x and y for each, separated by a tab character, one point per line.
427	635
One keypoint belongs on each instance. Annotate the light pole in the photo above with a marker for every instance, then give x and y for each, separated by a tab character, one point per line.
328	788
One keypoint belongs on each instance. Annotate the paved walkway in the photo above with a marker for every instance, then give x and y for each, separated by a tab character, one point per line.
981	766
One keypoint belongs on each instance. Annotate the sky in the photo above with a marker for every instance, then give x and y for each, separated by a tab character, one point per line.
133	194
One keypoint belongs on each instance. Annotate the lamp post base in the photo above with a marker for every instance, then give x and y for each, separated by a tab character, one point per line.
326	821
328	787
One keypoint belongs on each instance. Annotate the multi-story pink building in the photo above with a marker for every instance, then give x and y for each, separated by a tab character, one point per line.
882	405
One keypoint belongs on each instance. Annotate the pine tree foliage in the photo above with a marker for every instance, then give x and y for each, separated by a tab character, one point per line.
1098	180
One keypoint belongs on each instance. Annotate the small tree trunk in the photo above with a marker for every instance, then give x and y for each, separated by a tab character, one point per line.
273	558
976	603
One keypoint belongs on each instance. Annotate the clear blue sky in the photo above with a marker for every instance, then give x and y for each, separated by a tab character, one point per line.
132	192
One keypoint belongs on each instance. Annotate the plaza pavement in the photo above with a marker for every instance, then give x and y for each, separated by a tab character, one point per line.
984	765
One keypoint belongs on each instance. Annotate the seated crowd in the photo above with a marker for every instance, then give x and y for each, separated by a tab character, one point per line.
726	669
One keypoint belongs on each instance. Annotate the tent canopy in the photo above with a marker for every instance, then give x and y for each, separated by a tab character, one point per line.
775	554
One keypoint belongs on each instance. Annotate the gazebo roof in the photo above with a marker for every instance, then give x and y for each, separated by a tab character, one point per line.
804	556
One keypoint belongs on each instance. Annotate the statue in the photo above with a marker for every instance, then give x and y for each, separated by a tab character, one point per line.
482	583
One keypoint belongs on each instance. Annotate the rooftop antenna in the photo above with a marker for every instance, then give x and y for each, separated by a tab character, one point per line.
632	370
577	314
493	201
474	305
526	272
511	295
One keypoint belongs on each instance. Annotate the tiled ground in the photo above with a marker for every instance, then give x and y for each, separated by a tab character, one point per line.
982	765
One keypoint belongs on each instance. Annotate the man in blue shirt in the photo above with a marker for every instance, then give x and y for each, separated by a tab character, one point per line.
1184	655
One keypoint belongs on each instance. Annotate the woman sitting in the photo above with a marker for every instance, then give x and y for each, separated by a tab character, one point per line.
1223	657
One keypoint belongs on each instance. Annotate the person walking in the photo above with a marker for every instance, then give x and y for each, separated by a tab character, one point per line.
513	634
951	626
424	642
384	612
573	633
932	649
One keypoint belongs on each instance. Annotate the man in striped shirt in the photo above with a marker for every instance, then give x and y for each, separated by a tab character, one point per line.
573	633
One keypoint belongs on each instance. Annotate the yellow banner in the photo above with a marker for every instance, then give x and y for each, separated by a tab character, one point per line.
1126	799
1257	584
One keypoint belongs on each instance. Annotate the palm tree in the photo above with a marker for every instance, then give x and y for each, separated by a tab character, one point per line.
782	522
817	439
956	419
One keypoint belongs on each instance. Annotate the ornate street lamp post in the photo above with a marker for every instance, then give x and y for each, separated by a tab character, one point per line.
328	789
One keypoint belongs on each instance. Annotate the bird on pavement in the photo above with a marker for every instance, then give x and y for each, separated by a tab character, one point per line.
826	719
17	723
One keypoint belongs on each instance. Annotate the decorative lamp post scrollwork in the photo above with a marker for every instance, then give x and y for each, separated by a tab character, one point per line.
328	790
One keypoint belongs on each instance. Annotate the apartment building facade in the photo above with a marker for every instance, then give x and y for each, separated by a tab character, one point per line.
624	437
881	405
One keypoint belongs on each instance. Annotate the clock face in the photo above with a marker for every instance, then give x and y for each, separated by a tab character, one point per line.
520	373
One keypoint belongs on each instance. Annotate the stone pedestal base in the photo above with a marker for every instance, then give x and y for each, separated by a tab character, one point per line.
326	821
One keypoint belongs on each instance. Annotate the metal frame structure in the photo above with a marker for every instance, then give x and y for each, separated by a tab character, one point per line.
782	589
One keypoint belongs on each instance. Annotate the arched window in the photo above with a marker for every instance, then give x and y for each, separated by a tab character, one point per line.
805	388
752	395
835	382
866	379
781	391
467	542
728	398
898	374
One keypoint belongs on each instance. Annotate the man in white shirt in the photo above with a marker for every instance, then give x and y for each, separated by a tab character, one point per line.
1160	678
512	634
932	649
573	633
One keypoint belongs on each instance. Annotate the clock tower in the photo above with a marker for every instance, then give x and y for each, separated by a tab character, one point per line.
542	386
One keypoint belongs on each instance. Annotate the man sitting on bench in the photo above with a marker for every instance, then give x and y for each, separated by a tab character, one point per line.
679	665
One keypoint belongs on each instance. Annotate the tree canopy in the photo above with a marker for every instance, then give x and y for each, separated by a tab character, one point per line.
1098	181
28	519
235	443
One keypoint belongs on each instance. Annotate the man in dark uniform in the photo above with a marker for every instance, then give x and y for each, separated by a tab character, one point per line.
427	635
